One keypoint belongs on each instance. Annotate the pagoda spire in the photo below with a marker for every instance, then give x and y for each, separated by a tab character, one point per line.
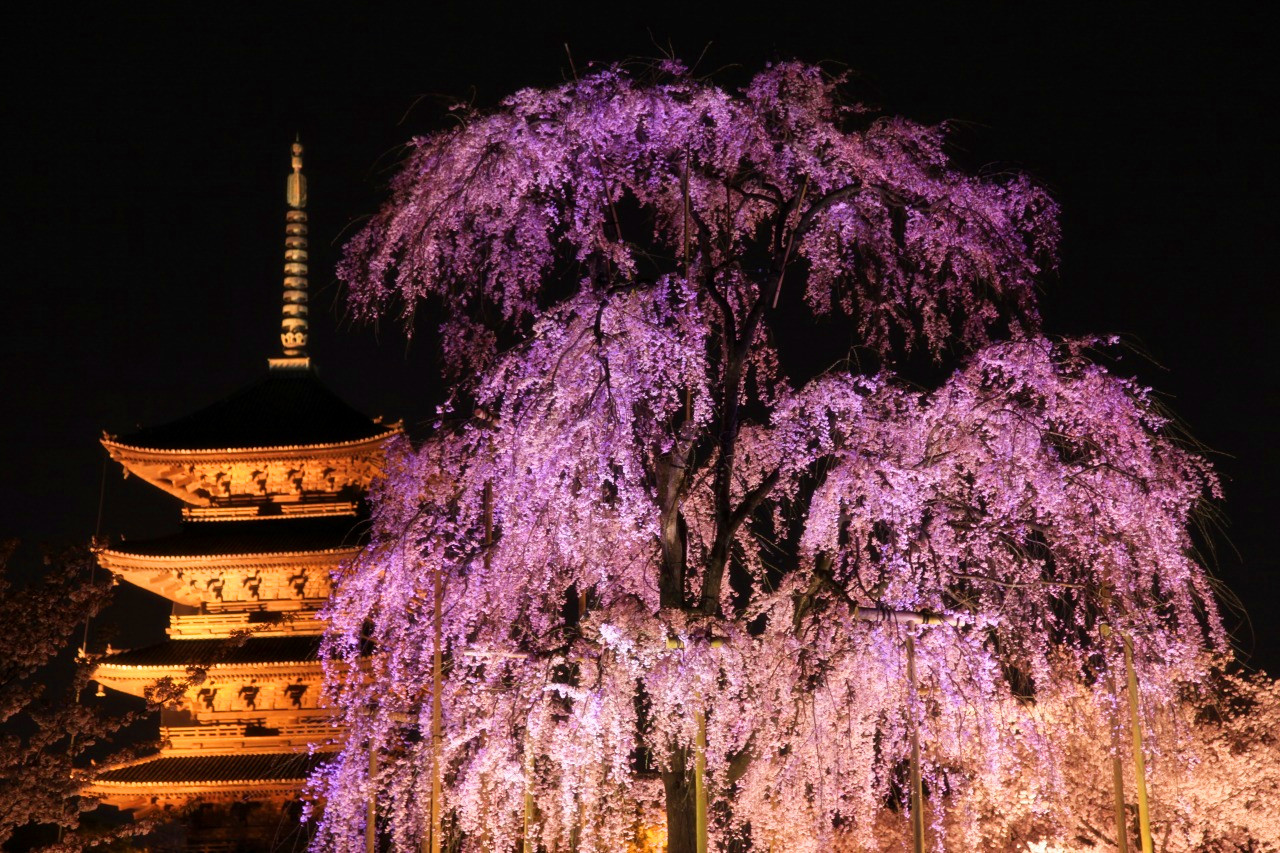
293	324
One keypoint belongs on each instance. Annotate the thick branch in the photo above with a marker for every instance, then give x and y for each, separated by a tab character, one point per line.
804	602
714	579
835	196
752	501
882	614
672	473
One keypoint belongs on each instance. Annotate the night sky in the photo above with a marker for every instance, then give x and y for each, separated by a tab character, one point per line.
144	212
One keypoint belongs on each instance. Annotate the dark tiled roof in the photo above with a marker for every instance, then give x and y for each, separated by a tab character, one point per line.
217	768
287	408
269	535
209	652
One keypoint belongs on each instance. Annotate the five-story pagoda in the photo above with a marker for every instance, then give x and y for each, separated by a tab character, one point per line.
271	480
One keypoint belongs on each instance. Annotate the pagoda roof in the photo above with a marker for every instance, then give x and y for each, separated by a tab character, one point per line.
265	535
287	408
221	652
241	767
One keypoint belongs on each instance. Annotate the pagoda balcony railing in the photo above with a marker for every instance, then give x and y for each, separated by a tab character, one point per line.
238	736
223	624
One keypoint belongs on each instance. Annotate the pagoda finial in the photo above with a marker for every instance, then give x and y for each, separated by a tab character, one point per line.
293	325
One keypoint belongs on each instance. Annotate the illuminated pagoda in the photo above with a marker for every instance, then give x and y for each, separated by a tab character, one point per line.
271	480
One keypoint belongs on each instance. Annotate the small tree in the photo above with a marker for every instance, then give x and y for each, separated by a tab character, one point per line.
48	733
658	546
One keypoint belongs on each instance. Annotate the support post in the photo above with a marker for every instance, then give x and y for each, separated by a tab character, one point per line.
1139	755
700	782
1117	769
527	842
437	712
917	783
371	810
1117	779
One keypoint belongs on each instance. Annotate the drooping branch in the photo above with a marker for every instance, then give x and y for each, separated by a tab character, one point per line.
642	418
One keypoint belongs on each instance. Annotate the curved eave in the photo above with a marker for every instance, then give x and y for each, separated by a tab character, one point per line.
99	789
159	580
165	752
173	471
144	797
117	560
162	574
151	782
284	664
134	679
273	451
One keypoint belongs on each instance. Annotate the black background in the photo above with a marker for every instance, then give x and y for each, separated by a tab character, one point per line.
147	150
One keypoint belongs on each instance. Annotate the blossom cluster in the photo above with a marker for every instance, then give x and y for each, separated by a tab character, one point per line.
644	528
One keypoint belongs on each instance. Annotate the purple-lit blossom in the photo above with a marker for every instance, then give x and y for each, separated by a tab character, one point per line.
605	259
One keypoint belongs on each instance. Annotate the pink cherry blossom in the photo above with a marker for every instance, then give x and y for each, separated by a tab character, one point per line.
607	261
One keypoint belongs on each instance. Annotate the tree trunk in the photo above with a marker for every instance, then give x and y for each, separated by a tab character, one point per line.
681	808
671	472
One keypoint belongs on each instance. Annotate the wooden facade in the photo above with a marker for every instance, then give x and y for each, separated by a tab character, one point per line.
271	482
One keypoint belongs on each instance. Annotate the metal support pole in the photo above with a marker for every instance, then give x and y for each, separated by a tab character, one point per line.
1139	756
1117	769
437	712
917	783
527	842
371	810
700	781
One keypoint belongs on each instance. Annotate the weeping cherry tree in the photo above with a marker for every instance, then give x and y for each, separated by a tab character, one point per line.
667	563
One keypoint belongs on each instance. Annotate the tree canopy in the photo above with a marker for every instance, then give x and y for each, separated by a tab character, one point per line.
644	525
47	734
